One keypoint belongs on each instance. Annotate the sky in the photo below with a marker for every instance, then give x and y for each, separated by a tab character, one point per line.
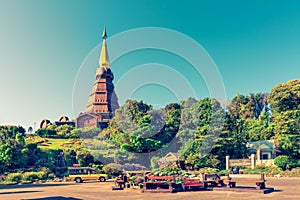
43	44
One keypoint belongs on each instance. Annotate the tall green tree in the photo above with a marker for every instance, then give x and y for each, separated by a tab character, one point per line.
201	126
285	96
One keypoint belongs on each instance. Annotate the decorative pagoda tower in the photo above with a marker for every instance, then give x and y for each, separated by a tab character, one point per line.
102	100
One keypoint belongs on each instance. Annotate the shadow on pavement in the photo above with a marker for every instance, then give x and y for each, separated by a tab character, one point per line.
19	192
55	198
34	185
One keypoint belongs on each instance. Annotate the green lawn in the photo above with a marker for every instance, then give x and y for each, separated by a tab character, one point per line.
53	143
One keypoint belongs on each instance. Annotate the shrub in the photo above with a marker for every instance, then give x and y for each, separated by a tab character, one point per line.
253	171
295	172
293	163
82	163
112	169
154	162
223	172
281	161
13	177
51	176
29	176
132	178
268	170
208	170
41	175
291	173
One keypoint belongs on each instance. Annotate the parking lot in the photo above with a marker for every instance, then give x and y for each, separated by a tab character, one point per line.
285	188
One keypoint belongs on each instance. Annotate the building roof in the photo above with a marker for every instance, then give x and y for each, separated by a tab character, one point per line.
169	158
263	145
63	119
44	123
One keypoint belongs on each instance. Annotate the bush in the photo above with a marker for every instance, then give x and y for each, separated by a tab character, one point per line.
41	175
112	169
293	163
291	173
13	177
208	170
268	170
223	172
281	162
132	178
154	162
29	176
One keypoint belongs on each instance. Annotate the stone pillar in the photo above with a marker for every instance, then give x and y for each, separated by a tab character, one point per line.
258	161
252	161
227	162
258	154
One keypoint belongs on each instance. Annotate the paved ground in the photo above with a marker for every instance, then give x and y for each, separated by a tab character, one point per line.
285	188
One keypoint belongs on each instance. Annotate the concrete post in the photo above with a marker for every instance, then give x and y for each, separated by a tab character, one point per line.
258	152
252	161
227	162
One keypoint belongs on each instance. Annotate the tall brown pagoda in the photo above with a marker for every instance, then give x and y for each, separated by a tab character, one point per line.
102	100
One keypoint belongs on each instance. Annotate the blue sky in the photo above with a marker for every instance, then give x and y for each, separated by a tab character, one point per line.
255	45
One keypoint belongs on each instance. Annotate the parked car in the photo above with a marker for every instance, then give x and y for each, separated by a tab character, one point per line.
80	174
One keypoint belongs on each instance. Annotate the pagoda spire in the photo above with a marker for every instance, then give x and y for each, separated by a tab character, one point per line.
104	59
104	34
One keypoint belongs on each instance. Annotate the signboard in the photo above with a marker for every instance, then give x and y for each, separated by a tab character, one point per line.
240	162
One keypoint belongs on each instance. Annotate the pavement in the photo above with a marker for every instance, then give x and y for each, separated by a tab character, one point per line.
285	188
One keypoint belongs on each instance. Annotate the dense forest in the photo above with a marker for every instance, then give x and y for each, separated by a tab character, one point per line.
202	131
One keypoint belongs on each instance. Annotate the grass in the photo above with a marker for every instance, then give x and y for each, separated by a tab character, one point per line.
95	147
55	143
8	183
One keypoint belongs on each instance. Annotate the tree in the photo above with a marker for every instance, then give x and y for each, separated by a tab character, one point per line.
201	125
85	159
245	124
287	122
127	116
237	106
20	140
65	131
8	134
32	154
287	132
285	96
5	157
285	103
44	132
88	132
256	130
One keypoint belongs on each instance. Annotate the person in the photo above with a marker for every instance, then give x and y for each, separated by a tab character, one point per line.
146	176
120	181
125	180
237	169
231	171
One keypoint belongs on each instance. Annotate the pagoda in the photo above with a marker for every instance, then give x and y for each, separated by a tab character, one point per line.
102	101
